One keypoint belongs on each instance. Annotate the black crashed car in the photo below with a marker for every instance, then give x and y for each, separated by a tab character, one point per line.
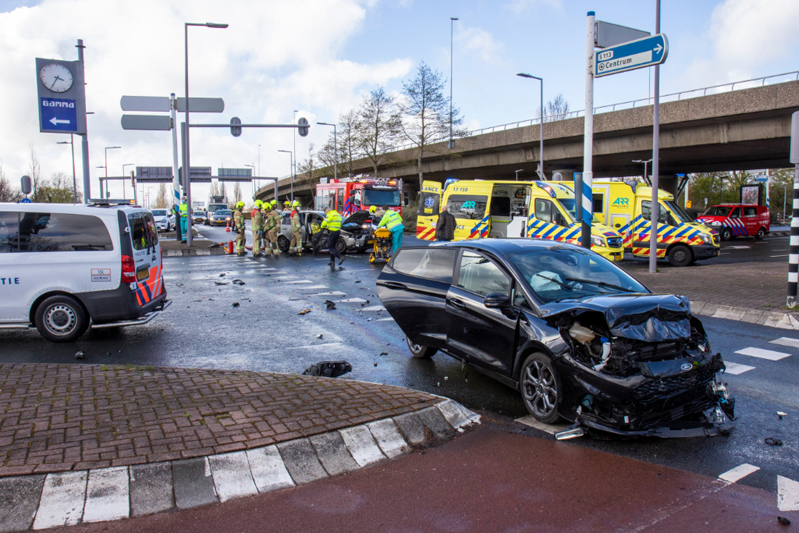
579	337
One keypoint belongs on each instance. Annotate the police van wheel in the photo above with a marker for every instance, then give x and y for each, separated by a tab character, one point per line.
726	234
760	234
283	243
61	319
680	256
420	351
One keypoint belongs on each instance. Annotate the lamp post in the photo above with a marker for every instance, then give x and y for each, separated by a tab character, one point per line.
187	156
74	181
251	183
292	176
294	160
259	168
451	63
517	173
107	148
335	149
123	181
646	163
541	125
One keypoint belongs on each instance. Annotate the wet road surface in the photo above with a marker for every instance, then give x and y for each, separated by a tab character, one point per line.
203	329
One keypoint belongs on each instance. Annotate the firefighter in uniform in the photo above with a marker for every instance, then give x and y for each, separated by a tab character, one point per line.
287	207
393	221
238	226
275	216
332	223
296	231
257	228
266	208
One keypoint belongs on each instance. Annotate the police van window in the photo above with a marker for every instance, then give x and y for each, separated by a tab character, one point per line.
470	206
646	212
62	232
479	275
426	263
750	212
428	204
543	209
142	230
9	223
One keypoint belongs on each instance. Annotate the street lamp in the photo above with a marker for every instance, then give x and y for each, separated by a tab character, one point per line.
123	181
646	163
541	121
335	149
451	63
517	173
107	148
251	182
294	160
187	162
74	182
292	177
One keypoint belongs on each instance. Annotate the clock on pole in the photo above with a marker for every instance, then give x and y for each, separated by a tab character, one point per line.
62	101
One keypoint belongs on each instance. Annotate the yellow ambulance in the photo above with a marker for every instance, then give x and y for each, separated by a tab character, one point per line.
627	208
533	209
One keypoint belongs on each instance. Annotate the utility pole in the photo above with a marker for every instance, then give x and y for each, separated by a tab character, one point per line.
653	233
87	182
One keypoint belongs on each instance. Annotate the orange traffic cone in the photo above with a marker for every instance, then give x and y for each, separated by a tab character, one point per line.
227	228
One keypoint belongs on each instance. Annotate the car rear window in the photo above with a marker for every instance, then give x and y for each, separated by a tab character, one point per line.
142	230
431	263
52	232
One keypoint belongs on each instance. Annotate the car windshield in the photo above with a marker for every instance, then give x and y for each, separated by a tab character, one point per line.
561	273
717	211
159	212
679	212
223	213
570	206
387	197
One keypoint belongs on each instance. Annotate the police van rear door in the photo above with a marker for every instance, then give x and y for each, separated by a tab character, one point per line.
146	256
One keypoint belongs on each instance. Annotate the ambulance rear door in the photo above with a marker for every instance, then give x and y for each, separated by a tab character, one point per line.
429	207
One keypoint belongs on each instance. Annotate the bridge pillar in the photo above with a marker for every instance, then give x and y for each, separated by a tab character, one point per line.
566	174
669	183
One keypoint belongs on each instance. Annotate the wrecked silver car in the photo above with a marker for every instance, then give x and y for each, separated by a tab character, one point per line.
577	336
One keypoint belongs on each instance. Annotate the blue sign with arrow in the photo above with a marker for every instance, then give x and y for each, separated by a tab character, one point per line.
58	114
632	55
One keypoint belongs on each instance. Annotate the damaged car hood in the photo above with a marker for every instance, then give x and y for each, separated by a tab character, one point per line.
643	317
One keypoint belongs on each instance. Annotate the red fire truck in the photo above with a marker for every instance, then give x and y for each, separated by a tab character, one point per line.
349	195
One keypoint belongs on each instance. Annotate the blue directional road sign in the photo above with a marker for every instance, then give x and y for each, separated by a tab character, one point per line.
632	55
26	201
58	114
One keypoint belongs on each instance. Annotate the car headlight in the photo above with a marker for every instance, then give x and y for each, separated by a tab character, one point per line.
228	218
596	240
715	223
706	238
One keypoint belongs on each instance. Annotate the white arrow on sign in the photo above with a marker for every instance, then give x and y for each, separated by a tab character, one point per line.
57	121
658	48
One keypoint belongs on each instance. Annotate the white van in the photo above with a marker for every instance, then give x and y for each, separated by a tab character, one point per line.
64	268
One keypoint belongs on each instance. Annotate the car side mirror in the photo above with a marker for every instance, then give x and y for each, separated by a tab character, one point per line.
496	300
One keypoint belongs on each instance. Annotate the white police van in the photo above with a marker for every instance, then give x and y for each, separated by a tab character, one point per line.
64	268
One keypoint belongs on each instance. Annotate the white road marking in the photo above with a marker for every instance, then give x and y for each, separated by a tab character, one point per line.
787	494
298	282
268	470
738	247
763	354
361	445
107	496
787	341
735	369
232	477
62	499
384	319
782	255
374	308
312	346
739	472
315	287
333	293
533	422
352	301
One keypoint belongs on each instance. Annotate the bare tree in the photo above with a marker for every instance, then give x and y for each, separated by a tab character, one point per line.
220	191
310	165
7	192
426	114
161	199
378	126
237	196
56	190
555	109
35	171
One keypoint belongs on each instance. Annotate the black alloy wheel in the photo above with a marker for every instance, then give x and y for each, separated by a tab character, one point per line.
540	388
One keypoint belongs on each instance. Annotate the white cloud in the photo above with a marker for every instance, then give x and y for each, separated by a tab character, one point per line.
478	42
746	35
520	6
275	57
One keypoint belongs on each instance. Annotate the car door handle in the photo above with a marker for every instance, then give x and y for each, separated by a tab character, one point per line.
458	303
395	285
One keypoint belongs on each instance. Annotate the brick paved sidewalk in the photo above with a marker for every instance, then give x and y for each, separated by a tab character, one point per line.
74	417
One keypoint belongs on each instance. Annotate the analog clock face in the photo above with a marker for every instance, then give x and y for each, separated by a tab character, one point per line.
56	77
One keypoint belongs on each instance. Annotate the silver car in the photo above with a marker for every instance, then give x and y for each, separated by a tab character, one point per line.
356	231
163	220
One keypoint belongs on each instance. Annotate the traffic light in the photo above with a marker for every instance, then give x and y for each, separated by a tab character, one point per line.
235	130
303	129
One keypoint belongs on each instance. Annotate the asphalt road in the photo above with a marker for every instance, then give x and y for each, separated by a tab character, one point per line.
203	329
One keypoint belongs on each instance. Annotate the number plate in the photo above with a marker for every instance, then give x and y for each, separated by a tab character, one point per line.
143	274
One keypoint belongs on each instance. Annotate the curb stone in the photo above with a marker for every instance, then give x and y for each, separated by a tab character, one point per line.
774	319
75	497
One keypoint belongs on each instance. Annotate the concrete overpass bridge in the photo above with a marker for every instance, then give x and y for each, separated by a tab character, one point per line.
738	129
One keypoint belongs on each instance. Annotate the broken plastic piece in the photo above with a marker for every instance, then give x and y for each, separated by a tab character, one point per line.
80	355
571	433
784	521
328	369
319	336
238	282
773	442
236	304
330	304
305	311
780	414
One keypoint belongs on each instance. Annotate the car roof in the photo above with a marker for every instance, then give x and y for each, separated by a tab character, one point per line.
80	209
506	246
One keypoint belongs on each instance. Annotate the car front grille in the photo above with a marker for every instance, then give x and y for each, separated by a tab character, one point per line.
656	389
614	242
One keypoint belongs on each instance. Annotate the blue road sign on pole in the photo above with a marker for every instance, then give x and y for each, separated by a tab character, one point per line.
761	179
58	114
632	55
26	201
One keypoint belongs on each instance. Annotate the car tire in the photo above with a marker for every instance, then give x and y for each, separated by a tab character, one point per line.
540	388
61	319
726	234
283	243
420	351
761	233
341	245
680	256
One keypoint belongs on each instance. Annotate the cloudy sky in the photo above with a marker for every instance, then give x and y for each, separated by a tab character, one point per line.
321	56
